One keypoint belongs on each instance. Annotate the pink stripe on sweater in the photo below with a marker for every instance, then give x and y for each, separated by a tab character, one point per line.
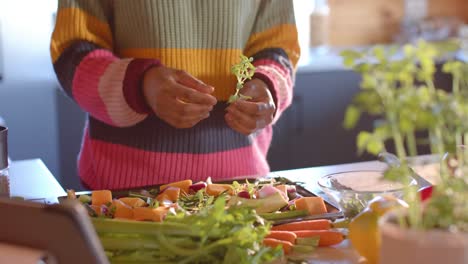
281	81
111	92
104	165
86	82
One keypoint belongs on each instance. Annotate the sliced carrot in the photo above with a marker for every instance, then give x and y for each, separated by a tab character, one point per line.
314	205
273	243
122	210
215	189
319	224
283	235
133	201
150	214
170	193
101	197
326	237
183	185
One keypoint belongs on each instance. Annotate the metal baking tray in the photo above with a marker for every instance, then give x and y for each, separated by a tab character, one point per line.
333	211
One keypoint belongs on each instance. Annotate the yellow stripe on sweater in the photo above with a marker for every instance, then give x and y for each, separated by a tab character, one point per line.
74	24
211	66
282	36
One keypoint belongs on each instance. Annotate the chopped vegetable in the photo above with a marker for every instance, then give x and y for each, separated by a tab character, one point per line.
326	237
183	185
308	241
283	235
303	249
133	201
216	189
101	197
319	224
197	186
315	205
275	243
170	193
284	215
150	214
267	190
122	210
269	204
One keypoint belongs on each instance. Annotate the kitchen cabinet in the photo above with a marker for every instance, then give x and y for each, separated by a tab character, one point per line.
310	132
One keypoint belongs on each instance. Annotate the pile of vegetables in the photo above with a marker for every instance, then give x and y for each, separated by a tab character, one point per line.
204	222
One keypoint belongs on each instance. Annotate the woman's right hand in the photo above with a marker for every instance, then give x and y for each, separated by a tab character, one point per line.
176	97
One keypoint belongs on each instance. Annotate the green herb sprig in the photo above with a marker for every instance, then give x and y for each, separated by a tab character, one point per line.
244	70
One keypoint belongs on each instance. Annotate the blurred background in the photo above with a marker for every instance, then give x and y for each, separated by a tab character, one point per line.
45	124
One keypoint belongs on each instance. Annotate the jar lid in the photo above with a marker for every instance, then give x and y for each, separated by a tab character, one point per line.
3	147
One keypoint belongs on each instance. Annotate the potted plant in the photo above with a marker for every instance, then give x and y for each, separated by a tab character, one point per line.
398	87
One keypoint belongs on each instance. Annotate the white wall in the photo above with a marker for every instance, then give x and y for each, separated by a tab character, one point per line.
27	91
26	27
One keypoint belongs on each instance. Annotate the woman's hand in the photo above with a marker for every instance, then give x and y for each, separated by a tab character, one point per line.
176	97
248	116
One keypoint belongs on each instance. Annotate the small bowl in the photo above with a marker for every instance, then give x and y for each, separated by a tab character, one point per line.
352	190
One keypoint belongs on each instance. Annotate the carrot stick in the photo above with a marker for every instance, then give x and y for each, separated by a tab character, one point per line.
273	243
326	237
319	224
283	235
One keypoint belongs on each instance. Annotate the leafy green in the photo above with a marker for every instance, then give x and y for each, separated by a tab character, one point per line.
212	235
398	89
244	70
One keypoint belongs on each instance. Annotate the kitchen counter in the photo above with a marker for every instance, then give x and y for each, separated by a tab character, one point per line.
32	180
330	60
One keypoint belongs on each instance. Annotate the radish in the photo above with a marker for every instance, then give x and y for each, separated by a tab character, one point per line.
425	193
244	194
291	190
197	186
266	191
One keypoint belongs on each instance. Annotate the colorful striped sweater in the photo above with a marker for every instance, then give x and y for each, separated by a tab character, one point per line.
101	49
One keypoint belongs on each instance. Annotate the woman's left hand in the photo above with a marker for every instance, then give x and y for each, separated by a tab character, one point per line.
248	116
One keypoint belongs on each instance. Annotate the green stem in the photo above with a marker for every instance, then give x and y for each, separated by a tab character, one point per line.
458	144
411	142
398	139
456	84
172	247
128	243
204	250
136	227
414	210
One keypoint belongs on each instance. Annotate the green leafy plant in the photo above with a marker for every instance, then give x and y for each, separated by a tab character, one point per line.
244	70
213	235
398	88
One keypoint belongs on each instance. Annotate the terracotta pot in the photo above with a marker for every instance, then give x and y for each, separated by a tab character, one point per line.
407	246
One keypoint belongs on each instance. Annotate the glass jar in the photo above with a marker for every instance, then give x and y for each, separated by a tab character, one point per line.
4	183
4	172
319	25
